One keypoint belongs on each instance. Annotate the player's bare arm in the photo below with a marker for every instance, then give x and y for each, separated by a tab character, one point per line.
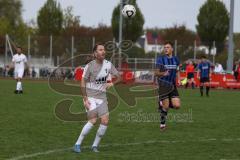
83	90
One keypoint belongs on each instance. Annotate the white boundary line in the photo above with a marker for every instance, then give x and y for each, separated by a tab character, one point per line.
118	144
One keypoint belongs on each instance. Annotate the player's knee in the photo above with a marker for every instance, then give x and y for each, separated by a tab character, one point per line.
93	121
104	122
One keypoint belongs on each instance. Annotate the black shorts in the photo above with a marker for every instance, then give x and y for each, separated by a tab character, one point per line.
173	94
190	75
204	79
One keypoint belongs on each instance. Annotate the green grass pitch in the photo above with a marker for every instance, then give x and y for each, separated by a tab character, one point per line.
203	129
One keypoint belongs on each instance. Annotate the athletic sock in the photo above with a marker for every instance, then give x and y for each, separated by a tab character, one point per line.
193	85
201	90
84	132
18	86
186	86
207	90
163	116
101	131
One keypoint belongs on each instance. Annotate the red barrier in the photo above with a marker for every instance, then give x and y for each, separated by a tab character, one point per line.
217	80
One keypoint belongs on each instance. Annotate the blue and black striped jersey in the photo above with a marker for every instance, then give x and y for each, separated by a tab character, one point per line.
204	68
170	64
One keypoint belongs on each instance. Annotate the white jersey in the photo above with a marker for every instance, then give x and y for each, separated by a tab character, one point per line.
96	76
19	60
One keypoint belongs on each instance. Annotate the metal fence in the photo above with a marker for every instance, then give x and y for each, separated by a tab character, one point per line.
53	51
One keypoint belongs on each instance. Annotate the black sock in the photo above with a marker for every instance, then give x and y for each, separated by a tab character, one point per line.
207	90
186	85
201	90
163	116
193	86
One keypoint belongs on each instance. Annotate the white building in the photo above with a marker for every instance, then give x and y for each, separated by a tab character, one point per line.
151	42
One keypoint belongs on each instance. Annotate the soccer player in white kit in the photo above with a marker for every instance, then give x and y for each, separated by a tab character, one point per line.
19	60
93	85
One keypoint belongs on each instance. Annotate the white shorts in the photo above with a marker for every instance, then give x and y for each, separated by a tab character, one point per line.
18	73
98	107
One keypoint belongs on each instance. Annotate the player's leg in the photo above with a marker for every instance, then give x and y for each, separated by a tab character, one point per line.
188	81
19	77
201	86
192	82
164	107
92	119
16	78
174	99
100	132
103	113
17	87
207	86
19	84
176	102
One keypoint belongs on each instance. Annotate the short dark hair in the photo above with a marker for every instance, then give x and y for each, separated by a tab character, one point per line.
19	47
168	42
96	45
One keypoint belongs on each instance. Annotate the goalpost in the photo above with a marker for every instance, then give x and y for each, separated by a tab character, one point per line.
8	48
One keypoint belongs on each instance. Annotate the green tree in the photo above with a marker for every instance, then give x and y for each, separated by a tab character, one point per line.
135	52
11	21
69	20
132	28
71	23
50	18
11	17
5	26
213	23
12	11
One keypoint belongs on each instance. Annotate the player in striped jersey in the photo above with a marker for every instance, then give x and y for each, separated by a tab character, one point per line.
167	68
204	73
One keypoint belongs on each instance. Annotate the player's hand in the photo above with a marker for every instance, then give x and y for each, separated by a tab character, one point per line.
86	103
166	73
179	82
109	85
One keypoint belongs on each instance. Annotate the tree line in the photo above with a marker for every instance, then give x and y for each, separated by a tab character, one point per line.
52	19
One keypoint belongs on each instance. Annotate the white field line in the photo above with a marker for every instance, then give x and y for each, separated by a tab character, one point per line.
25	156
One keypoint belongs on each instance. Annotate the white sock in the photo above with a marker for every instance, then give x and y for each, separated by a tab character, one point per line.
18	86
84	132
101	131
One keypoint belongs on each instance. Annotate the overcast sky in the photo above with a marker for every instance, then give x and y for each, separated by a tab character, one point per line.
157	13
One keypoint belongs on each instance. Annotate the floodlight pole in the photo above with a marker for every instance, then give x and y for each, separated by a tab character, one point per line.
230	39
120	34
51	49
6	51
122	3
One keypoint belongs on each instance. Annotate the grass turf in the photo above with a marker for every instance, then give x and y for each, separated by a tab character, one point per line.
204	128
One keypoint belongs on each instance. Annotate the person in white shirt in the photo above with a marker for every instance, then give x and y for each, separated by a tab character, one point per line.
19	61
218	68
94	84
